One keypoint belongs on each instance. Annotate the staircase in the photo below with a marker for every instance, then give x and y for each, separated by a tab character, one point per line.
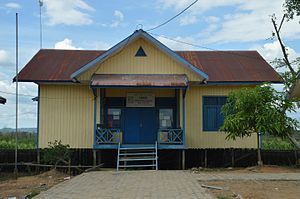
137	157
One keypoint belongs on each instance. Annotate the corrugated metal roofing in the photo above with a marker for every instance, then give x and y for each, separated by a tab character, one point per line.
111	80
56	65
221	66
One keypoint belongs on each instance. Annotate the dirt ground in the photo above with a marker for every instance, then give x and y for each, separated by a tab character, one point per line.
255	169
251	189
257	189
26	185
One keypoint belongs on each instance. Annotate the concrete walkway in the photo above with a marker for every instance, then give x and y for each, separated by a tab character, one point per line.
129	184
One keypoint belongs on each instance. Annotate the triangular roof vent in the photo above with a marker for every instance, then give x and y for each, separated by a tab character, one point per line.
140	52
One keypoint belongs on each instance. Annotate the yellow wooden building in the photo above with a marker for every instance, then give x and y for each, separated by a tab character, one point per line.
140	92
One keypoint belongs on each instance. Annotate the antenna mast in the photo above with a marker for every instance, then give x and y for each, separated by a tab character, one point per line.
41	33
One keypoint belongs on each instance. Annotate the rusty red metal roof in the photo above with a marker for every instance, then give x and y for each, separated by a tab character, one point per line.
221	66
140	80
56	65
232	66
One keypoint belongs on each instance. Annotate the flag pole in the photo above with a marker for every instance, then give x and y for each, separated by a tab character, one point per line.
17	100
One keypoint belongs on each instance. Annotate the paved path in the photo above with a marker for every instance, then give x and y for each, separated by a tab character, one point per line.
129	184
215	176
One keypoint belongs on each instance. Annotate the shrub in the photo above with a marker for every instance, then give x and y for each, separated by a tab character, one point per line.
57	153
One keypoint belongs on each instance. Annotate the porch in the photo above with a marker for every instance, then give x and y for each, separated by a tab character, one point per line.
135	115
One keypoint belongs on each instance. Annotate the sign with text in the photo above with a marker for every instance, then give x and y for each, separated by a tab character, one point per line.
140	100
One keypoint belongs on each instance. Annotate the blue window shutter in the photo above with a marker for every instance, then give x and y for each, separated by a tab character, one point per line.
212	116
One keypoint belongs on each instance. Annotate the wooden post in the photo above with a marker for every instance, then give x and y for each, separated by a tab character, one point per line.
69	167
94	157
232	157
183	160
38	160
205	158
296	157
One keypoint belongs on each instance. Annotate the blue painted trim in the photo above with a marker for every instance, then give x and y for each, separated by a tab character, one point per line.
105	55
95	115
101	108
178	108
38	118
161	146
183	116
174	55
139	34
105	146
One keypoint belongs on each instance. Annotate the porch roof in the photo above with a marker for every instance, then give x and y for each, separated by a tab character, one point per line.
139	80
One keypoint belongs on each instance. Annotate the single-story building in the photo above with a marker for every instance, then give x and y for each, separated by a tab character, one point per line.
140	92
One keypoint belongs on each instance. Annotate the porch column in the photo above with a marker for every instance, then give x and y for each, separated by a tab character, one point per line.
95	126
183	127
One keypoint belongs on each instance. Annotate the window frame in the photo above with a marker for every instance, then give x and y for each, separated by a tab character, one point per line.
219	117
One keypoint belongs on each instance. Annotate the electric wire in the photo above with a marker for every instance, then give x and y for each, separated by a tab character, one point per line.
207	48
164	23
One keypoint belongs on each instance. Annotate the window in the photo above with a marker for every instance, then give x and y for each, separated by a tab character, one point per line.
165	118
140	52
212	116
113	118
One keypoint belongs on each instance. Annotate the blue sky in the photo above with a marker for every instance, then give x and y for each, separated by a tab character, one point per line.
92	24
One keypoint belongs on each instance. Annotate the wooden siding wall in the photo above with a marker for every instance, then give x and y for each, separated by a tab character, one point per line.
125	62
195	136
67	114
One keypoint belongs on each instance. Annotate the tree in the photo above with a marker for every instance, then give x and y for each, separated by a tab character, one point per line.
257	110
292	8
291	68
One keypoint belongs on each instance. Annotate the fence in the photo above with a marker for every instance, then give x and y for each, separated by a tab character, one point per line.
170	159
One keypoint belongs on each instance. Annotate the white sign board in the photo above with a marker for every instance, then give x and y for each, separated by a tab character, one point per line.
140	100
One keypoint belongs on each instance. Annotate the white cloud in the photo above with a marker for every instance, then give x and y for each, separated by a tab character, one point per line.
13	5
99	45
66	44
5	58
199	7
272	50
246	21
69	12
188	20
174	45
27	108
119	17
211	19
252	22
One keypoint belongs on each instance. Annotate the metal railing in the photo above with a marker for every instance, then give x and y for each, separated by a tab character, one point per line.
170	136
107	136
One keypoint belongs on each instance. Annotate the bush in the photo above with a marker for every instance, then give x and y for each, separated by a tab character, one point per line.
57	153
276	143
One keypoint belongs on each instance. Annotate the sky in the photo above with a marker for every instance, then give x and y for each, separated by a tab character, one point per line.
95	25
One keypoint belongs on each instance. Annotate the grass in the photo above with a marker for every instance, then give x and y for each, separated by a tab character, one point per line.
25	140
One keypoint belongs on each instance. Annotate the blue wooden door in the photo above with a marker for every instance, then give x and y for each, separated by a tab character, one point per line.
131	134
149	126
140	125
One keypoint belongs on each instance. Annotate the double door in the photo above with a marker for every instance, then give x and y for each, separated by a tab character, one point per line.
140	125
